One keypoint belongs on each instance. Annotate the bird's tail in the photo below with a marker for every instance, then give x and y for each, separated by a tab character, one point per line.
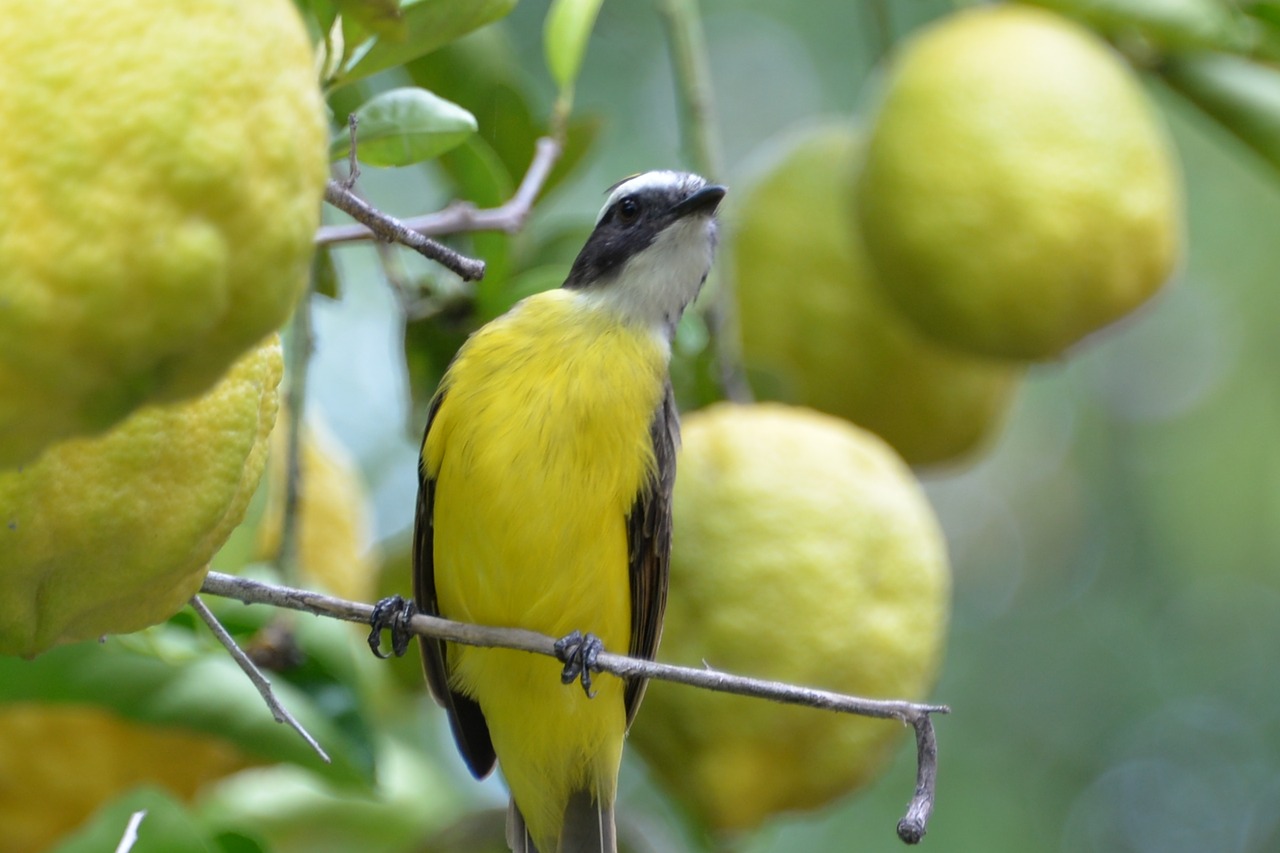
588	828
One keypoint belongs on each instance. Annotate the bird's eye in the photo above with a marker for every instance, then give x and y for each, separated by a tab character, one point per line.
628	210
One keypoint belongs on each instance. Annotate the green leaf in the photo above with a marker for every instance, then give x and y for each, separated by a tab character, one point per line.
382	17
1170	25
1243	96
165	828
404	126
580	137
163	677
324	275
427	25
564	38
482	178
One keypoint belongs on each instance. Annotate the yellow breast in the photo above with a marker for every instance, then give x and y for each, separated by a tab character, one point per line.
539	449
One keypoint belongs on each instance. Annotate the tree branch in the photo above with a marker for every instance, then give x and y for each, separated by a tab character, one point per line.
389	228
278	711
689	52
130	836
461	217
910	829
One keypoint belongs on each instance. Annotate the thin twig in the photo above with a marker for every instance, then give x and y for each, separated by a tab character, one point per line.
916	822
298	359
278	711
688	45
911	713
880	32
130	836
353	165
460	217
393	230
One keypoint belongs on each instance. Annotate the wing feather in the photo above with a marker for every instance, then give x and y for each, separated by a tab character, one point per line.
470	730
649	544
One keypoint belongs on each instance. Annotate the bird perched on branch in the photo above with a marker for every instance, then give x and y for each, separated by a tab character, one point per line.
545	503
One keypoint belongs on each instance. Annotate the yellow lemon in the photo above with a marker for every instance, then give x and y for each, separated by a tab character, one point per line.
58	764
334	520
817	331
1019	191
804	551
111	534
161	173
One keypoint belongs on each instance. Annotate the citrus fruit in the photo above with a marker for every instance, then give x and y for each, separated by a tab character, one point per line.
1019	191
59	763
111	534
817	331
161	173
805	552
333	515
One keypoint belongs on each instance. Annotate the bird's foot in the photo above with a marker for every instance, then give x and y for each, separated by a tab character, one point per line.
578	653
392	613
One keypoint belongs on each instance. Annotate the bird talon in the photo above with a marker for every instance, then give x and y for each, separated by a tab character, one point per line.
579	654
392	613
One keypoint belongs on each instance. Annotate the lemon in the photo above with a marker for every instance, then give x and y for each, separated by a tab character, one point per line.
805	552
111	534
161	172
58	764
817	331
1019	191
334	520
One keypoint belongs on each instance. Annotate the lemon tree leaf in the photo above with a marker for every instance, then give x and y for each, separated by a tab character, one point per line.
481	177
426	26
564	38
382	17
1170	25
1243	96
174	682
166	827
404	126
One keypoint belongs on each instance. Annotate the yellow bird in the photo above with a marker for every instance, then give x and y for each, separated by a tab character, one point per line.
545	503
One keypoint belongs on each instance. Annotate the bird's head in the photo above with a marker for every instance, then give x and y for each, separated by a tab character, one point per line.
651	248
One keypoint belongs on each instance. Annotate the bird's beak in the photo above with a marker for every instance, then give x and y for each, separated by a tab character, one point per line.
704	200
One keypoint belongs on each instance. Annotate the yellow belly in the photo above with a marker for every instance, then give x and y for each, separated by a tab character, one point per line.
539	449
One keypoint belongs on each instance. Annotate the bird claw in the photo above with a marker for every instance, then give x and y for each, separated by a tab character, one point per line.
392	613
579	654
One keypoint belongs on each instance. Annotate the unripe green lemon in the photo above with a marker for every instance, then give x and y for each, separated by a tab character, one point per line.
161	172
817	331
803	551
1019	190
111	534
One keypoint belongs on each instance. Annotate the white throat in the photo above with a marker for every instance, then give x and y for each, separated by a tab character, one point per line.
657	284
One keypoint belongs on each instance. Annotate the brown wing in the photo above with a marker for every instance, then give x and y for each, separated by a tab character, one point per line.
649	545
470	730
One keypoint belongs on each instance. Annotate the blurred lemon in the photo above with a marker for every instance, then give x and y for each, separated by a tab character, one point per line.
817	331
161	171
111	534
58	764
1019	191
334	522
804	551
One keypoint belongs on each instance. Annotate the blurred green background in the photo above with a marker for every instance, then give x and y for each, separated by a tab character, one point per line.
1116	552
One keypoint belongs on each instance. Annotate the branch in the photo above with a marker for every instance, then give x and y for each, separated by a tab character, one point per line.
130	836
461	217
389	228
910	829
688	45
278	711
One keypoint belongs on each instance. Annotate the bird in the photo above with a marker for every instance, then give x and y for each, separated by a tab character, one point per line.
544	503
